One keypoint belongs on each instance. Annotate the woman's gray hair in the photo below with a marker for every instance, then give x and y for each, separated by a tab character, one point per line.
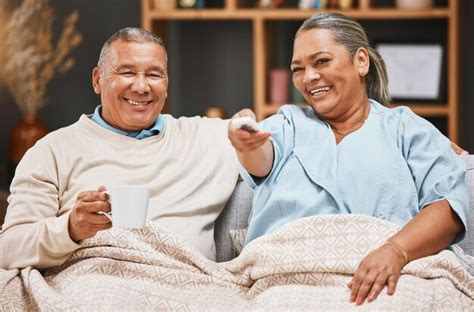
350	34
128	34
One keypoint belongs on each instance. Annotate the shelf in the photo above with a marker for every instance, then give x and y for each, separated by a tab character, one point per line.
428	110
268	26
293	14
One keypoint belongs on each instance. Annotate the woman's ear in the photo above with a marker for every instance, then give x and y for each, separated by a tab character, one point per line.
95	80
362	61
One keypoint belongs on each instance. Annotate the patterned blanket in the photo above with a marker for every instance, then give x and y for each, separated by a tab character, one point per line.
305	265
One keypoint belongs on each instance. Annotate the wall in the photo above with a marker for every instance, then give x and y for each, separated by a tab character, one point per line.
71	94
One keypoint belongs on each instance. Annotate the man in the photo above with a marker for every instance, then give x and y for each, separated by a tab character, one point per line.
58	189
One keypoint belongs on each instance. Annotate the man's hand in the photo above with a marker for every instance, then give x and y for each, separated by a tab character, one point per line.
381	267
84	222
245	141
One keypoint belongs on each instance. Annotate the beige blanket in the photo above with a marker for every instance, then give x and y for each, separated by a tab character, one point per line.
303	266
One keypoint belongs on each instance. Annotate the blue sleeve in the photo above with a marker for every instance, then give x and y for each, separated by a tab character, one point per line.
437	171
282	139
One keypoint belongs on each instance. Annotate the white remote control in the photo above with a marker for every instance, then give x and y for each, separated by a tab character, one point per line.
246	123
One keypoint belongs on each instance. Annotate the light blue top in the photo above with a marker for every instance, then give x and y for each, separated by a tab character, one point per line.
390	168
139	135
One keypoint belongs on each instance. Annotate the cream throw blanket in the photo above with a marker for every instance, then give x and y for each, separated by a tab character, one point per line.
304	266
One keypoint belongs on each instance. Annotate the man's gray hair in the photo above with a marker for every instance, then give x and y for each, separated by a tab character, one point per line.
128	34
352	36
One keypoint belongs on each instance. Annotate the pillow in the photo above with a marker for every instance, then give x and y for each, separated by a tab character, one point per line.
238	240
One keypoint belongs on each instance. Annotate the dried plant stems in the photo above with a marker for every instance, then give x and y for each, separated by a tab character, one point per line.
30	60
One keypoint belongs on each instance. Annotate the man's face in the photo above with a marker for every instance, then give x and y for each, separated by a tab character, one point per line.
132	84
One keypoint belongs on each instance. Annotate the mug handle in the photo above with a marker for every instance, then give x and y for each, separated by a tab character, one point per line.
107	214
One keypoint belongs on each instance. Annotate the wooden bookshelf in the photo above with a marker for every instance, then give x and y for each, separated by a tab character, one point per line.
367	10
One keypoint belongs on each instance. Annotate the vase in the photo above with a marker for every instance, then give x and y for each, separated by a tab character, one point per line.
414	4
23	136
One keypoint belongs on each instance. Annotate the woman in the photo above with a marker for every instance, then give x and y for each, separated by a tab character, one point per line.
348	153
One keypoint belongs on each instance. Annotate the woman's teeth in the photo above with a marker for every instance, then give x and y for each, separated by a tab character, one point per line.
319	91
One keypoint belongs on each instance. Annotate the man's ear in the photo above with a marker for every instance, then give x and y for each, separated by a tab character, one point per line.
362	61
95	80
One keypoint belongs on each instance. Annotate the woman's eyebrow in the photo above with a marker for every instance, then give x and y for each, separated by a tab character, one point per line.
311	56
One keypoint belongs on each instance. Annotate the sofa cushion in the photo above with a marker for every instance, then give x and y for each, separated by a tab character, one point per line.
234	216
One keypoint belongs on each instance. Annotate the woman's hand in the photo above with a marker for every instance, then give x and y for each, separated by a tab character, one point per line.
254	150
245	141
381	267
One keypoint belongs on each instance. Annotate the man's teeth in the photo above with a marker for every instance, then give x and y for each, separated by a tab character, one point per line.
319	91
136	103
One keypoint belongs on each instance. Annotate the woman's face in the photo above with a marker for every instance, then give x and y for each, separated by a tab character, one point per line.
330	79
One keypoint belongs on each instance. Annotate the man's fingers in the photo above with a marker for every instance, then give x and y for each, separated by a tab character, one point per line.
94	207
101	189
92	196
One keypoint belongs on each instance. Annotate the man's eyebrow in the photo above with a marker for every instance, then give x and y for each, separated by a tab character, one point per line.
124	66
157	68
131	66
311	56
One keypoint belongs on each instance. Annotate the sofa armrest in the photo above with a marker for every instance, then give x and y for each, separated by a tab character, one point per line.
234	216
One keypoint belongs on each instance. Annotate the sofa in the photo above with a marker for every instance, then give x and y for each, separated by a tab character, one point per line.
235	216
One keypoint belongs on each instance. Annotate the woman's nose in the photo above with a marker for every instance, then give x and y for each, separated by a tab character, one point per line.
311	74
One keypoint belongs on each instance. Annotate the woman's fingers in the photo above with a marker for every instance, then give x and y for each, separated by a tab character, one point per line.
377	287
364	290
356	282
378	269
392	284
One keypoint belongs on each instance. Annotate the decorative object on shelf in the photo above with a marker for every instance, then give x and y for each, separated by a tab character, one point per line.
271	3
312	4
215	112
192	4
279	83
165	5
414	70
345	4
414	4
332	4
24	135
29	61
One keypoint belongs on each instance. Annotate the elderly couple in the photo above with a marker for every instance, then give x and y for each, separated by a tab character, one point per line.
338	155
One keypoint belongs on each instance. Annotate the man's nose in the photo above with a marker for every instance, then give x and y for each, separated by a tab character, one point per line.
311	74
140	84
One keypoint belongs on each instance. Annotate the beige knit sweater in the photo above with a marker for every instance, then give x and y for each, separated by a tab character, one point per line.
190	168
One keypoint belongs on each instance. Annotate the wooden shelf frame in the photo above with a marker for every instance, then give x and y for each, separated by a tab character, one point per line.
293	14
234	10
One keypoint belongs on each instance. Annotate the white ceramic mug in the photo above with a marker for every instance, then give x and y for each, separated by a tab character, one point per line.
129	206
